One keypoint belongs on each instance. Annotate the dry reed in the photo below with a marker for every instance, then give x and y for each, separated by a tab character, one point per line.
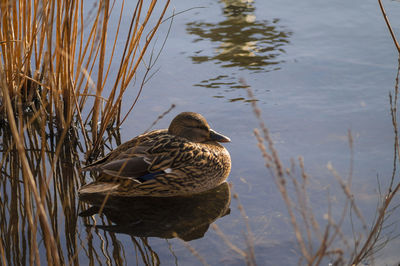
49	52
334	245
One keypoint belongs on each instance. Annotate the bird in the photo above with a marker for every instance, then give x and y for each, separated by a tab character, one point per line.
186	158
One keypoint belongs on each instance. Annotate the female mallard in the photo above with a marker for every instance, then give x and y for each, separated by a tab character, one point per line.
186	158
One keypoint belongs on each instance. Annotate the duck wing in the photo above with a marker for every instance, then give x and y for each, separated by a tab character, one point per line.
146	157
131	163
129	156
132	167
164	154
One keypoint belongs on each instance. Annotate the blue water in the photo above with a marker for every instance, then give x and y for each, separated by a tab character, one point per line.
317	69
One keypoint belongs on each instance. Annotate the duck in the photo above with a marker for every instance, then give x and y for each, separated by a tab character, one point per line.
186	158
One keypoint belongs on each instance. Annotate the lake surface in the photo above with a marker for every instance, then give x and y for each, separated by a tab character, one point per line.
317	69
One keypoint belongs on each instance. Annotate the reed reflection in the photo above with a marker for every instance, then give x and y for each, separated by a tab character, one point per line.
20	229
239	40
186	217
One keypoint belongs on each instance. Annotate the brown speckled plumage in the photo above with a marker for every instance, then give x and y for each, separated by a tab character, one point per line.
184	159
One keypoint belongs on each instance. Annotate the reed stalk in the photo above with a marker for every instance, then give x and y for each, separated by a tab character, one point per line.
56	87
333	244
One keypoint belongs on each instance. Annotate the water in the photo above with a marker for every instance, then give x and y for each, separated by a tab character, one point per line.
317	69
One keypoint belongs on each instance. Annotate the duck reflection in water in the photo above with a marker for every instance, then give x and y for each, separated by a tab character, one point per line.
187	217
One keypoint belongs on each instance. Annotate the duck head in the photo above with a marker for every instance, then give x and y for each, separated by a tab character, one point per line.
194	127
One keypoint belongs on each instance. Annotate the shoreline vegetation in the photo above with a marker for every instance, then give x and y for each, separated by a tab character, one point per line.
55	61
327	243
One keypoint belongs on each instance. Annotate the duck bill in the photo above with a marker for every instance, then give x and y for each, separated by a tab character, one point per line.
218	137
